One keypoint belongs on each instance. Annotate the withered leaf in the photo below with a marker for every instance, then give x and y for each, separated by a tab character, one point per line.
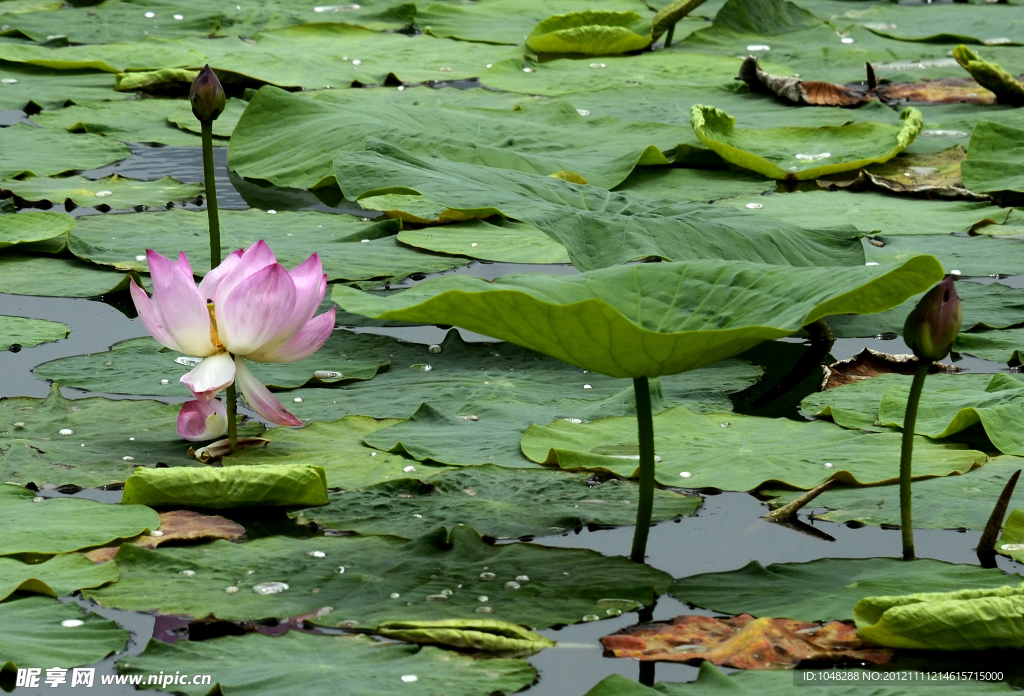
933	175
871	363
177	525
797	91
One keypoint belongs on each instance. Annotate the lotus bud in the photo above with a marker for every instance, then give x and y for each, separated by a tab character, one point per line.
934	323
207	95
202	420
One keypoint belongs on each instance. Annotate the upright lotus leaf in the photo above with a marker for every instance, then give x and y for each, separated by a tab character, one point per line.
228	487
591	32
45	633
648	319
598	228
26	333
274	665
34	232
962	620
801	153
554	586
828	588
488	635
993	159
58	576
115	191
991	76
58	525
28	150
764	17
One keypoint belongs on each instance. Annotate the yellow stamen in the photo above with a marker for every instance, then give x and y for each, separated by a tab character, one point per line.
214	337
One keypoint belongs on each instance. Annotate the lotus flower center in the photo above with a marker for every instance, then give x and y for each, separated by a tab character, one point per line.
214	337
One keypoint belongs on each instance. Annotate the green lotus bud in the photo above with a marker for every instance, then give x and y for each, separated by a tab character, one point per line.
934	323
207	95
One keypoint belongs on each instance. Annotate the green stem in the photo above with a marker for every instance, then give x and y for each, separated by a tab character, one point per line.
907	454
668	36
645	434
211	193
232	400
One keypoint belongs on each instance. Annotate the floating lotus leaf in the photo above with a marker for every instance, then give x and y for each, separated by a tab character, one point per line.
60	525
961	620
494	501
135	121
111	58
563	585
803	153
706	185
274	665
764	17
228	486
26	333
43	641
114	191
503	240
740	453
828	588
976	256
648	319
474	634
993	158
951	24
58	576
28	150
34	232
591	32
34	275
45	88
1004	346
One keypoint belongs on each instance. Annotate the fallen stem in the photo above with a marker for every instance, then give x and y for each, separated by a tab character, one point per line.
210	182
790	509
906	456
645	434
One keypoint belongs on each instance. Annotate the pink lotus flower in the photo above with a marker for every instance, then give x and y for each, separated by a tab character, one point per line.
247	307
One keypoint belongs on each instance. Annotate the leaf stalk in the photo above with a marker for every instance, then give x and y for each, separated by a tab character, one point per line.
645	435
906	457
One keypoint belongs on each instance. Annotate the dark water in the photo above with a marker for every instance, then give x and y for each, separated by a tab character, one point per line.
726	534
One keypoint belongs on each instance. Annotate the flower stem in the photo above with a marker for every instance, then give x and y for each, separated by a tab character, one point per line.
211	194
232	400
669	35
906	455
645	434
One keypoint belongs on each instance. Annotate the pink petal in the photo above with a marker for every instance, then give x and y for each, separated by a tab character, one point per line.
310	287
179	306
213	374
183	264
211	281
252	260
150	319
199	420
258	311
307	341
259	397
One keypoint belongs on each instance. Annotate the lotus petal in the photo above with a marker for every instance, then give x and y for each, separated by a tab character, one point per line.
307	341
151	319
260	398
259	311
202	420
180	307
212	375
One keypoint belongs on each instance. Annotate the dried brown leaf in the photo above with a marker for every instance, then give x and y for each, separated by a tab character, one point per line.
871	363
177	525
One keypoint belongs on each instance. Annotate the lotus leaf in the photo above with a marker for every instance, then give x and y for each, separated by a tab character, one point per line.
41	640
494	501
993	158
26	333
799	153
34	275
42	152
961	620
181	115
60	525
676	327
564	585
826	589
274	665
764	17
855	405
34	231
977	256
592	33
501	240
991	76
58	576
1009	543
280	485
1005	346
476	634
111	58
951	24
30	87
709	186
114	191
136	121
119	21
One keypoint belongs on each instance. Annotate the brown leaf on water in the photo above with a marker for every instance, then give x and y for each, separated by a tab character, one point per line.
934	175
177	525
952	90
797	91
871	363
744	642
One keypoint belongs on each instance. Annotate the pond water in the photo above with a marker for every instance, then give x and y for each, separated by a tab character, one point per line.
725	534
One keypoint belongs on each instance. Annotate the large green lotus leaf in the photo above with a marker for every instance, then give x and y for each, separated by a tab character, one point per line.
40	275
107	439
495	502
293	485
181	115
960	620
111	58
59	525
563	587
855	405
597	227
121	240
592	33
34	231
991	306
58	576
141	366
321	664
115	191
993	158
504	21
765	17
825	589
740	453
985	24
38	151
983	255
1005	346
803	153
292	140
872	213
501	240
26	333
708	185
136	121
648	319
946	502
36	636
46	88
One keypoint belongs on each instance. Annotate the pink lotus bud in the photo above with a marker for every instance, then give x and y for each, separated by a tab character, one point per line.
934	323
207	95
